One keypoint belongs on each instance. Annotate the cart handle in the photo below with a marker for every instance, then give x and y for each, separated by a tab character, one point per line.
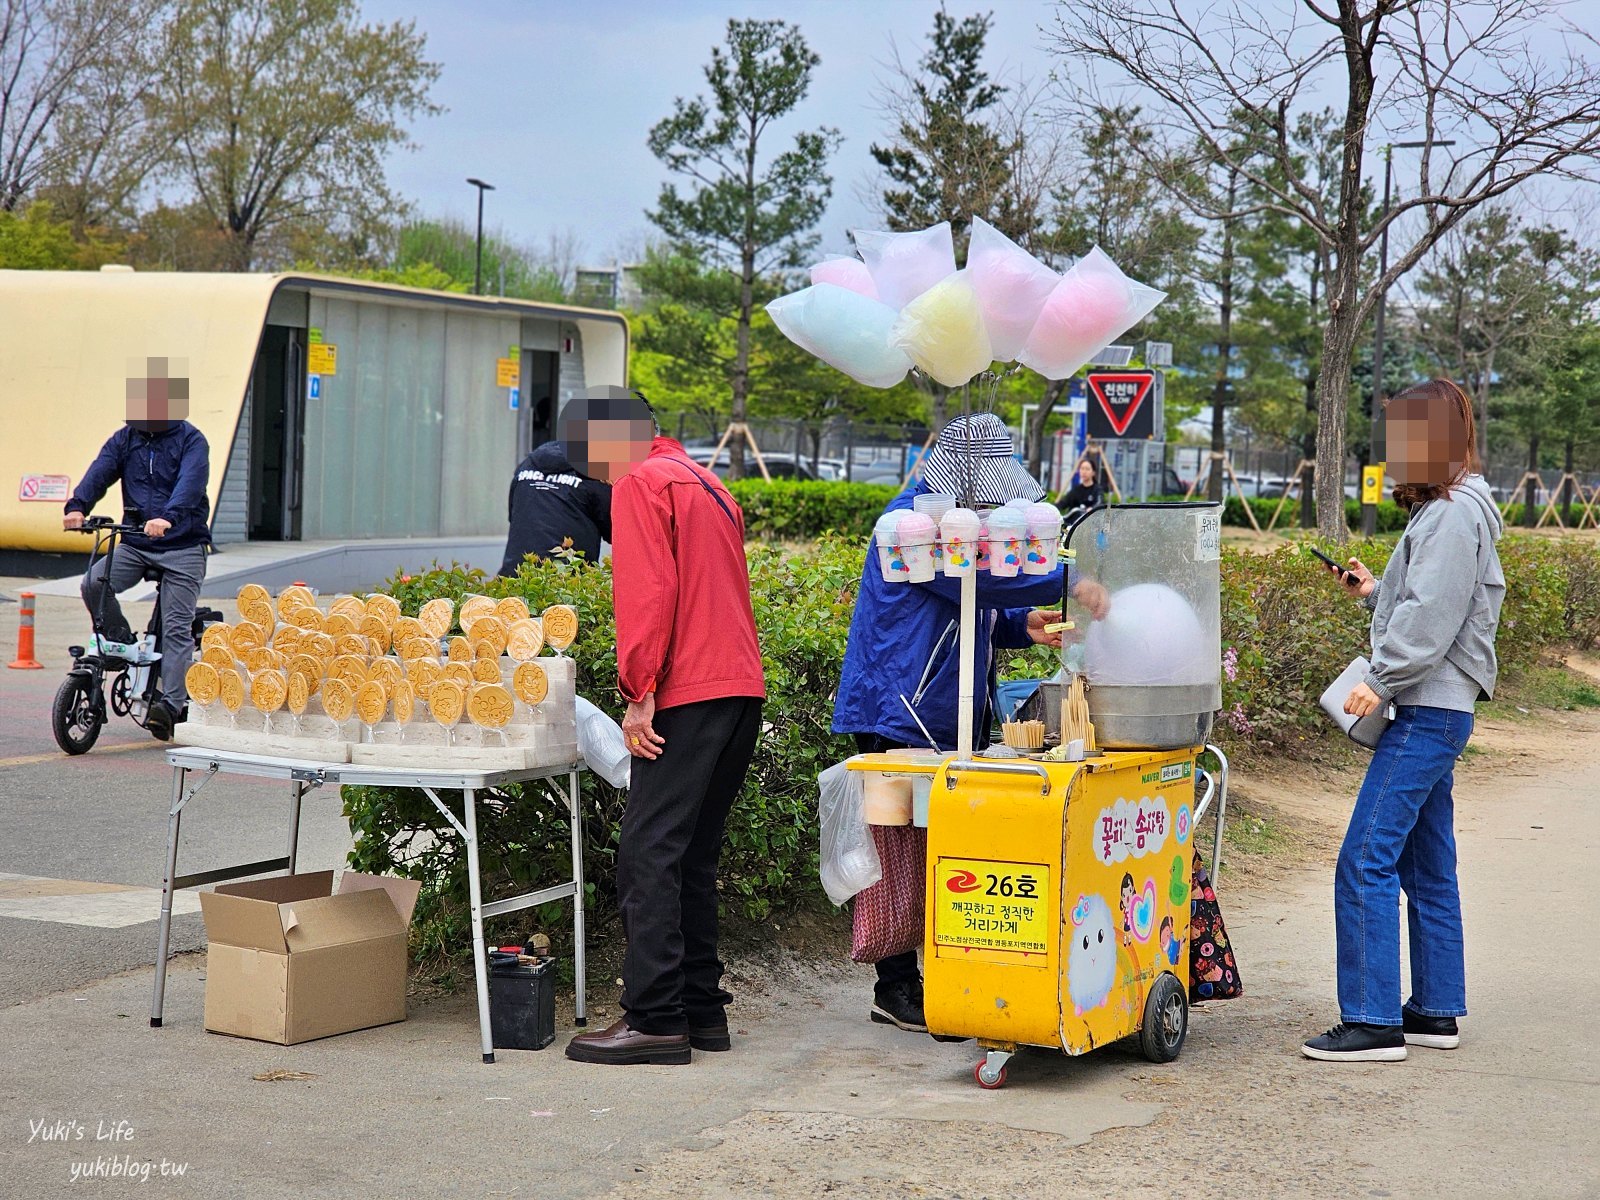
968	764
1217	789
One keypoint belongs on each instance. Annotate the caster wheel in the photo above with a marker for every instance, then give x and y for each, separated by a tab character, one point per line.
1166	1020
989	1077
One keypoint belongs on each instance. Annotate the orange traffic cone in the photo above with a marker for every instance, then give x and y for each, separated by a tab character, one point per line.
25	659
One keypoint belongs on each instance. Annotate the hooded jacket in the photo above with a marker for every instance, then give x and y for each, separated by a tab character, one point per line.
1437	608
903	639
163	474
551	501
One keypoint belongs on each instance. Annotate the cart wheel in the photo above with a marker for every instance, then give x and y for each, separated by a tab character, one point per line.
1166	1020
73	717
989	1077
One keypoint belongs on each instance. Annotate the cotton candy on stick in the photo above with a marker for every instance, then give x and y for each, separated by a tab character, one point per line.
1092	305
847	331
943	331
1012	286
848	273
904	265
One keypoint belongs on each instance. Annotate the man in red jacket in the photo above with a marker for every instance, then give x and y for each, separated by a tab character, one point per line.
690	669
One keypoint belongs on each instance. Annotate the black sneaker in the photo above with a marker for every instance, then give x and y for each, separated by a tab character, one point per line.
1358	1043
900	1005
161	718
1436	1033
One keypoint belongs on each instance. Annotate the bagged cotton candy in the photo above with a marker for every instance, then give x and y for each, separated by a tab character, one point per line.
942	330
845	330
848	273
904	265
1012	286
1151	637
1092	305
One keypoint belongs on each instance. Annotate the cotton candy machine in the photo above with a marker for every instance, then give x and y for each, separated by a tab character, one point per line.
1153	662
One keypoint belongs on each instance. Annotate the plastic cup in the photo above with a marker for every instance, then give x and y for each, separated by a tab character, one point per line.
919	538
934	504
891	559
1043	546
1008	531
983	562
958	539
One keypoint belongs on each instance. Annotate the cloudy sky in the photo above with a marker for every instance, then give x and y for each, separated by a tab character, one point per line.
551	100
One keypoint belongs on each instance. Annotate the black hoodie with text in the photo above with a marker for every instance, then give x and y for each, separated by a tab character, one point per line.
550	502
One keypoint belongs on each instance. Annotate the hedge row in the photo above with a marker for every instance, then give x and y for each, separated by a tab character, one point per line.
1287	630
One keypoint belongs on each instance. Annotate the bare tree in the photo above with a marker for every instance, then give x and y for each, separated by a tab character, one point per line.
64	62
1459	71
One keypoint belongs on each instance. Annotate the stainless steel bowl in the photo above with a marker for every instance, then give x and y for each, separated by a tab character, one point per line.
1153	718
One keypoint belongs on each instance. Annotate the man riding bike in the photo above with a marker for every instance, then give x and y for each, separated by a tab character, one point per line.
163	463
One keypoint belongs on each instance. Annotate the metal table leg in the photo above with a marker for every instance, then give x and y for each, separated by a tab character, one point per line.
294	824
580	1005
164	934
480	955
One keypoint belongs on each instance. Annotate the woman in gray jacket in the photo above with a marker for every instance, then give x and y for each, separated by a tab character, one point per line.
1434	617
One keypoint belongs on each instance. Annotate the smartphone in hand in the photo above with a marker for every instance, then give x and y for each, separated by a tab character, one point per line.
1345	577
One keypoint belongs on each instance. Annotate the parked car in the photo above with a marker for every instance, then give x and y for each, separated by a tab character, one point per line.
779	465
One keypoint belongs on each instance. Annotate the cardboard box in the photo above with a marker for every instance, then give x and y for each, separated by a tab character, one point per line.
291	960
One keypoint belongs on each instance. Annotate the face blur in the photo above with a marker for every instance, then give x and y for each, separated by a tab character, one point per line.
157	392
607	435
1086	473
1426	440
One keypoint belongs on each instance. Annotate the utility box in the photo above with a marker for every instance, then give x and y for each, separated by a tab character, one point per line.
291	960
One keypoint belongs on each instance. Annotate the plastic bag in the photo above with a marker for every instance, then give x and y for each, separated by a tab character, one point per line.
846	330
848	273
943	331
849	859
904	265
602	745
1012	286
1092	305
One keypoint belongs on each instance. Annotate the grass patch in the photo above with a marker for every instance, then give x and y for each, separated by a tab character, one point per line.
1254	833
1556	687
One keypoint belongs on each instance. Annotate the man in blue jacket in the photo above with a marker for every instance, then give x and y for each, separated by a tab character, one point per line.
903	642
163	463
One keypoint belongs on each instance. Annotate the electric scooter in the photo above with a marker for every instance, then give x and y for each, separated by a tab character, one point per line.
79	712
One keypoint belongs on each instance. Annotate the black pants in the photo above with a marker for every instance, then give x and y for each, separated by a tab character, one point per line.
897	968
667	863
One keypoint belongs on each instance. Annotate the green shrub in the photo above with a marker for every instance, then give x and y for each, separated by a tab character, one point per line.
799	510
1391	517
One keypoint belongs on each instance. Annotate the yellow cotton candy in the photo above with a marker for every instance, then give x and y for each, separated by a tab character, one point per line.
943	332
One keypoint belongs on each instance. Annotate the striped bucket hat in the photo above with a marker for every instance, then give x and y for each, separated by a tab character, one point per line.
975	461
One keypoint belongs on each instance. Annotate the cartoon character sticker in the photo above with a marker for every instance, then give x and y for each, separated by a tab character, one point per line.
1180	824
1178	882
1013	552
956	553
897	561
1035	549
1138	910
1092	959
1170	942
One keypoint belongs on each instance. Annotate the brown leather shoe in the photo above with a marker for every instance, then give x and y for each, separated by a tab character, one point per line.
622	1046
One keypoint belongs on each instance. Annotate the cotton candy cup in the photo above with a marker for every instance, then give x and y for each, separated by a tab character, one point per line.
958	539
1092	305
1012	286
942	330
1150	637
1043	544
845	330
848	273
904	265
918	537
1008	529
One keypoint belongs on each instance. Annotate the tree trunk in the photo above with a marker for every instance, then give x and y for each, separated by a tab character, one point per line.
1333	391
1480	401
1308	452
1566	483
1035	432
1530	507
1219	391
740	376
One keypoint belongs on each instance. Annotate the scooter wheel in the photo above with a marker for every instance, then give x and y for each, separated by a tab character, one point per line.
988	1077
74	718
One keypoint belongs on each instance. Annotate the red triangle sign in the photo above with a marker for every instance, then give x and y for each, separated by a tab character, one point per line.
1120	395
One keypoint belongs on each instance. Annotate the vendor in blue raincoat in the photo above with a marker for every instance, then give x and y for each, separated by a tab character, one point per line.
904	637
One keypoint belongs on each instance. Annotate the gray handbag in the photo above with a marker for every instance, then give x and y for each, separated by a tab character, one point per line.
1364	731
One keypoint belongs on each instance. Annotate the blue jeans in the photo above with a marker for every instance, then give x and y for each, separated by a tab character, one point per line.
1402	835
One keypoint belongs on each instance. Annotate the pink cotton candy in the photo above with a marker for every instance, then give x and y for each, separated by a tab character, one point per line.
848	273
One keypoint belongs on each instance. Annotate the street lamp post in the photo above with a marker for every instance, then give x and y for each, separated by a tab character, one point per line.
1379	452
477	274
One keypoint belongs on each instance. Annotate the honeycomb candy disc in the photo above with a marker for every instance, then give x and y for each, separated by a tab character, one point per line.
460	649
530	682
287	639
349	606
299	692
386	671
376	632
220	657
230	689
386	608
436	616
295	596
560	625
483	649
491	706
351	669
308	617
417	647
445	702
216	634
246	636
372	701
268	690
525	639
337	699
338	624
512	608
403	699
486	670
489	629
202	681
251	593
460	673
354	644
473	607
